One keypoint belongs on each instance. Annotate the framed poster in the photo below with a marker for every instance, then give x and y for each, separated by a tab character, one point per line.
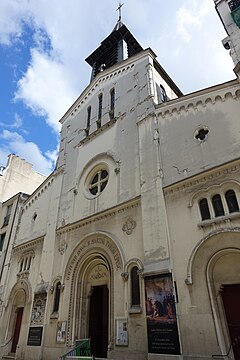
61	332
161	315
121	332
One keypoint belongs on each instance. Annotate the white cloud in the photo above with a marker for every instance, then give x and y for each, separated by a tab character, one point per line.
190	17
16	124
182	33
16	144
44	89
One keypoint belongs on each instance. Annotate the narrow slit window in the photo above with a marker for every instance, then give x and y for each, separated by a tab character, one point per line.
57	297
204	209
217	205
2	238
100	102
232	202
112	103
135	289
89	109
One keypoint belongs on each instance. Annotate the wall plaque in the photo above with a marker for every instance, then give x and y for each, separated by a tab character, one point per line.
35	336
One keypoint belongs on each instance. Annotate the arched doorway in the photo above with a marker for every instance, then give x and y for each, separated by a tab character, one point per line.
97	280
16	317
93	270
225	270
231	301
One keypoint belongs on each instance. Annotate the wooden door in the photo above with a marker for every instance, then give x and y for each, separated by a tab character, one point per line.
17	329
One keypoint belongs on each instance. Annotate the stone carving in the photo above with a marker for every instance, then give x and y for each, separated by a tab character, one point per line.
129	225
99	272
62	248
38	309
125	276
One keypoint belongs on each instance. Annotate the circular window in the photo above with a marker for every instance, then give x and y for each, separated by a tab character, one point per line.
98	182
201	134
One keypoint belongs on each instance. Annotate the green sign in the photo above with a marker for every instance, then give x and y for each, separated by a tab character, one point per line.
236	16
83	349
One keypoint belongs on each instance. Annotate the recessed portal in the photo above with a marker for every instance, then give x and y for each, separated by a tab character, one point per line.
231	301
17	329
98	320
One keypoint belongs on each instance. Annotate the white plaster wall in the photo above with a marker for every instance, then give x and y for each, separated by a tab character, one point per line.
118	141
184	156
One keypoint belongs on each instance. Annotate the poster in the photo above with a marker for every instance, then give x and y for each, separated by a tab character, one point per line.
161	315
121	332
61	331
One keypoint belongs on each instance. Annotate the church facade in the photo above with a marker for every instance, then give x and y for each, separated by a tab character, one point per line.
134	240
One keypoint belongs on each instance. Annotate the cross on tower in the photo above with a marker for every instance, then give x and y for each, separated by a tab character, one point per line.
119	9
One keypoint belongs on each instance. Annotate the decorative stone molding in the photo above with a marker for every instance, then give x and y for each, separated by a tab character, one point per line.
202	179
27	245
188	104
204	191
100	216
125	275
62	248
38	309
98	272
189	279
32	198
129	225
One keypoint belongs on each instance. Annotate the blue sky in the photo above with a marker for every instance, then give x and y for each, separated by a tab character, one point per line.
43	44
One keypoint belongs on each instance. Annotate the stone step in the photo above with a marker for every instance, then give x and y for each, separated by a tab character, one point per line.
8	357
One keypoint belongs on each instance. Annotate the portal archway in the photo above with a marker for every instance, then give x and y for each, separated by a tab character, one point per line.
93	269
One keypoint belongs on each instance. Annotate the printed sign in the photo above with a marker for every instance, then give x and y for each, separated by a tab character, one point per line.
161	315
35	336
61	331
121	332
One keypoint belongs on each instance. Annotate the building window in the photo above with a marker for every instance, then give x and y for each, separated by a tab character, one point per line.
112	103
98	182
25	263
204	209
161	94
89	110
100	102
2	238
217	205
7	217
201	134
232	202
57	297
135	289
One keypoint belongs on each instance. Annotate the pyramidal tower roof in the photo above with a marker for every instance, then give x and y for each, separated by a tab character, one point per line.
118	46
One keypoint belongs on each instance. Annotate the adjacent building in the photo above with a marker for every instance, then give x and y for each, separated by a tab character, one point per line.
134	240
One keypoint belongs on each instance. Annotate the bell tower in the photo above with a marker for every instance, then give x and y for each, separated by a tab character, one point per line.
229	13
118	46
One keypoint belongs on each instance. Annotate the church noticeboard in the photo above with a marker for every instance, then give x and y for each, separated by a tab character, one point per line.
35	336
161	315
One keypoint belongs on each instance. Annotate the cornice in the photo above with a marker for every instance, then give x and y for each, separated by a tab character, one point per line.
197	179
199	100
40	190
100	216
28	245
